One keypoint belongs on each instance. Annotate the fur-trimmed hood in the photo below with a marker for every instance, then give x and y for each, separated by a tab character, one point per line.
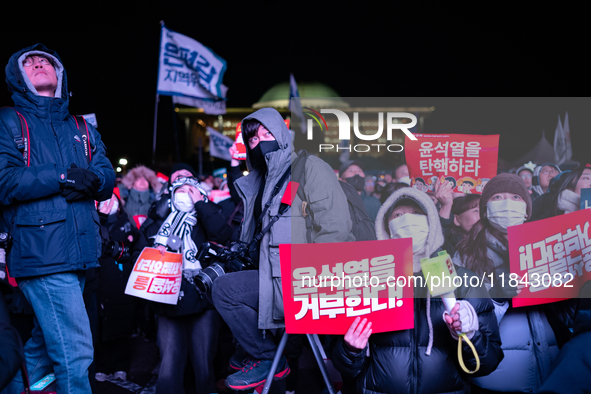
138	172
434	239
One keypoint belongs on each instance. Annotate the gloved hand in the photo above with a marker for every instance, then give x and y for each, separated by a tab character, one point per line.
461	318
80	183
82	179
73	195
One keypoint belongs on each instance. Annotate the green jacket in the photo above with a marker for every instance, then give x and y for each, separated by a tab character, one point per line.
323	193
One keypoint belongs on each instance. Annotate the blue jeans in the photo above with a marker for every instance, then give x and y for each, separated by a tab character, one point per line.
61	340
236	297
194	336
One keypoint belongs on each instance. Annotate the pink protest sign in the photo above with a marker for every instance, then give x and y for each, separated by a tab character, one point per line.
551	257
326	286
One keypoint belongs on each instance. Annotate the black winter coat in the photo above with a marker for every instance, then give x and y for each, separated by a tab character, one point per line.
397	362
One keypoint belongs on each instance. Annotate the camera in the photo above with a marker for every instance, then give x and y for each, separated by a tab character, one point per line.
116	250
236	257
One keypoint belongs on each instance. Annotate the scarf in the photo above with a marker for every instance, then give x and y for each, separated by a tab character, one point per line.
175	233
569	201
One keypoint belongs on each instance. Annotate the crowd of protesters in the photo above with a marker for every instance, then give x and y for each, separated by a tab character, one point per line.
520	346
525	349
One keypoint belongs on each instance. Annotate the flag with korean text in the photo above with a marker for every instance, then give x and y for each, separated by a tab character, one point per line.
551	257
186	67
326	286
156	277
467	161
219	144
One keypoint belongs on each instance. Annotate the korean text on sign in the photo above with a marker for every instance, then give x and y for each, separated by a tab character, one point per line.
552	257
156	277
467	161
326	286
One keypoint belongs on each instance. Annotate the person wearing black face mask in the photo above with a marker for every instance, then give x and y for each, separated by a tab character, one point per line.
352	173
250	301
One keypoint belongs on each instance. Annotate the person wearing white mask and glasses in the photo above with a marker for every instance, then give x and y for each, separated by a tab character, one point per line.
422	359
527	333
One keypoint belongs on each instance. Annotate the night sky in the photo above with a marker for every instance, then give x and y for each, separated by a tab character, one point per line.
395	50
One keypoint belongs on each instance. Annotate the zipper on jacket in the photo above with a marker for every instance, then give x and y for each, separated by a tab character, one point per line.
63	163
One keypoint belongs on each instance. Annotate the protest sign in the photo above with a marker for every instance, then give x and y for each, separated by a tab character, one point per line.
241	153
219	195
551	257
156	277
585	198
326	286
467	161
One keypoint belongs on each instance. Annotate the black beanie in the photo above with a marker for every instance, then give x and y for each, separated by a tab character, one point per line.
505	183
182	166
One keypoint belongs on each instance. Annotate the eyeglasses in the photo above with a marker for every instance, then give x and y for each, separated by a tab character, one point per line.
551	172
525	176
30	60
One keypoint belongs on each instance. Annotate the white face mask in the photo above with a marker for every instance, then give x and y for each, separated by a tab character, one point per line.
114	208
505	213
410	226
183	202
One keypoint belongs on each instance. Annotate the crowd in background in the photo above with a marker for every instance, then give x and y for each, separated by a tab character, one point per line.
144	200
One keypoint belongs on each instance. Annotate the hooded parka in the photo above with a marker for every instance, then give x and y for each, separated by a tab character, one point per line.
50	234
396	362
325	198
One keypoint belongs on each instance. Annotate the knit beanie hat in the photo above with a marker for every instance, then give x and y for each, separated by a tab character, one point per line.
182	166
505	183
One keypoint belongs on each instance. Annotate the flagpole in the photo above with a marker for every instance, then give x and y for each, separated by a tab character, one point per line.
176	133
155	128
157	100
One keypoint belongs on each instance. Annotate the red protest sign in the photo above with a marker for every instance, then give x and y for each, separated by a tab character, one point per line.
468	161
241	148
156	277
315	302
551	257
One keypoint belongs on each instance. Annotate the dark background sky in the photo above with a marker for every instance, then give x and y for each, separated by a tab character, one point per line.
361	49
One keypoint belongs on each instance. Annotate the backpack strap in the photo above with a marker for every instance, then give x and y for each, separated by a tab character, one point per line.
299	177
17	124
85	138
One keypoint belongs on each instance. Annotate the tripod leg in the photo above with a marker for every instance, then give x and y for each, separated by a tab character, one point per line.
276	359
320	361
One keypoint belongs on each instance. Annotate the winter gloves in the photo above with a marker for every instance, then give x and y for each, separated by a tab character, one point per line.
468	318
81	183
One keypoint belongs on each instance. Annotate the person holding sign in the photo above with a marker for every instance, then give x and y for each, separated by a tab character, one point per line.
526	332
564	195
423	359
190	328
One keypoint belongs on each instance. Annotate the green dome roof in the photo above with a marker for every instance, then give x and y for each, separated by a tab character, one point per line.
313	94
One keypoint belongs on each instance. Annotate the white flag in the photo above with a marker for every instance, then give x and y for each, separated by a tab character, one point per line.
188	68
219	144
566	129
217	107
